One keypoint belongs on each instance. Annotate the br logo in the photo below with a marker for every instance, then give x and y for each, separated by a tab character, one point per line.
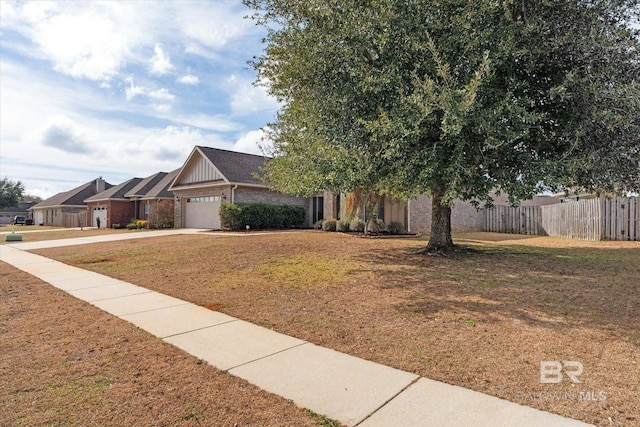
551	371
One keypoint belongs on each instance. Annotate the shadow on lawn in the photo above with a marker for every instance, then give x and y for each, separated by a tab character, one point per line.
547	287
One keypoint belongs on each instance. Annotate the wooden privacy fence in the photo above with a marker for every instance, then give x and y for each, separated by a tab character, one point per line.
71	219
592	219
520	220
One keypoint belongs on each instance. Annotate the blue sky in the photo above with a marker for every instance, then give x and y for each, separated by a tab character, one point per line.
123	89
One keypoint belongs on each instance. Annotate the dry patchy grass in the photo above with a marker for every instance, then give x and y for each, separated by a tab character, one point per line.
49	233
483	319
64	362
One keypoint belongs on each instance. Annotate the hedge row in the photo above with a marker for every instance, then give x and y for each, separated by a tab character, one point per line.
237	216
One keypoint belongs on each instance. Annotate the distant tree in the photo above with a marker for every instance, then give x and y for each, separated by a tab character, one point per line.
31	198
452	98
11	192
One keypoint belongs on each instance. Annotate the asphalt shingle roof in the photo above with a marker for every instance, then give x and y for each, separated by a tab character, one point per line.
236	167
161	189
145	185
74	197
115	192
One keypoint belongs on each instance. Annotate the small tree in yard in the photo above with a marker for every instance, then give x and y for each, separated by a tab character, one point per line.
162	215
452	98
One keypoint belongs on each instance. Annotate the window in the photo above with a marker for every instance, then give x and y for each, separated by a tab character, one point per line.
203	199
318	209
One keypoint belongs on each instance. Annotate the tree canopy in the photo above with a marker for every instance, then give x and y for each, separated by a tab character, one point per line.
11	192
452	98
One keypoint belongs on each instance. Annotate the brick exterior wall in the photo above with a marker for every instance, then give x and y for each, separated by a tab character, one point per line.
259	195
330	205
464	217
119	212
503	200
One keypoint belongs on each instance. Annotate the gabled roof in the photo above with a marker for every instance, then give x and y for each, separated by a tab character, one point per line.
236	167
161	189
145	185
115	192
75	197
207	166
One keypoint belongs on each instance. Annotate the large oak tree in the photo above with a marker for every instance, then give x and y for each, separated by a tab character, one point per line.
452	98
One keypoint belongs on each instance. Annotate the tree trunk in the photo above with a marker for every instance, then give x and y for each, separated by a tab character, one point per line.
440	238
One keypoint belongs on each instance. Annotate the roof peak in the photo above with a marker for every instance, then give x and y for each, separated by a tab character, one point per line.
232	151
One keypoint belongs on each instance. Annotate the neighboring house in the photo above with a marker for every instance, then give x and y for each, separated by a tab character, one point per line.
136	198
67	209
7	214
152	199
211	177
111	206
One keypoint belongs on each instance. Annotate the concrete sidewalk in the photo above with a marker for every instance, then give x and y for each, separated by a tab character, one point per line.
353	391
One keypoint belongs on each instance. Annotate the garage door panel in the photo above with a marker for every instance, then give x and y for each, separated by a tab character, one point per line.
203	212
100	212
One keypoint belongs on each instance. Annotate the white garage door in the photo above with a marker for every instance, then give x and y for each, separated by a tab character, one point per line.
203	212
99	212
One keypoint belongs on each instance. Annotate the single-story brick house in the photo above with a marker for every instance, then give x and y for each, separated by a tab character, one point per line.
68	209
136	198
7	214
212	176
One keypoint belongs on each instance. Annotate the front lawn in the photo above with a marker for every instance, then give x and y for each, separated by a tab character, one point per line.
483	319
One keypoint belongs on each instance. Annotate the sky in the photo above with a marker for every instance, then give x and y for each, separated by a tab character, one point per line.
124	89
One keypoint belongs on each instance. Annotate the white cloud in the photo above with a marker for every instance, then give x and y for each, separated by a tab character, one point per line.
189	79
161	94
248	99
218	122
160	63
162	108
208	30
62	133
252	142
131	91
82	45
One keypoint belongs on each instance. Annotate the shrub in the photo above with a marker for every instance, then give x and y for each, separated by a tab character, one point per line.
131	226
357	226
329	225
230	216
162	214
395	227
318	225
237	216
116	226
141	223
375	226
343	226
